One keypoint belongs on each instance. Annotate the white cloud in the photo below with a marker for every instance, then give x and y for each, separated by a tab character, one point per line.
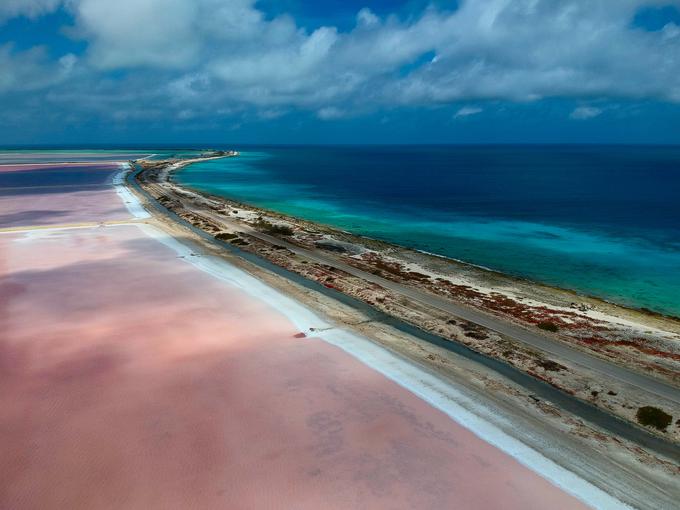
585	112
671	31
286	67
203	55
330	113
29	8
466	111
131	33
32	70
271	114
529	49
68	62
366	18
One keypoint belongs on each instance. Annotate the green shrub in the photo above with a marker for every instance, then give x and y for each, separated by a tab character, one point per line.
550	365
654	417
270	228
225	236
283	230
548	326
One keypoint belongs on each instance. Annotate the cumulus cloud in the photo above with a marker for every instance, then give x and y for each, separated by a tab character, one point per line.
585	112
466	111
131	33
29	8
527	50
330	113
366	18
200	55
32	69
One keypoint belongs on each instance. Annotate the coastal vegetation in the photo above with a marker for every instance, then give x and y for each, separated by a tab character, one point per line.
548	326
272	229
654	417
550	365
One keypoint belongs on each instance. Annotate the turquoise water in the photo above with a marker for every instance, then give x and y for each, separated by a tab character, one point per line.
599	220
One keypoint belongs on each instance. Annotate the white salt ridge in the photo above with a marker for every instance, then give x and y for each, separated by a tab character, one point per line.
133	206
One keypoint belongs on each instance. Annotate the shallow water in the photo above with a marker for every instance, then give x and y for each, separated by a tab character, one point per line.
599	220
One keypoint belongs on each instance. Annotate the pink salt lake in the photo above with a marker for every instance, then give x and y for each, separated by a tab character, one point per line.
56	200
131	379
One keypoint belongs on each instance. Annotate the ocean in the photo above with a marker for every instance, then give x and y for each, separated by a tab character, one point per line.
601	220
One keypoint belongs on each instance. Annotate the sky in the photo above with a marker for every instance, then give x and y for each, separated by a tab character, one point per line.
339	71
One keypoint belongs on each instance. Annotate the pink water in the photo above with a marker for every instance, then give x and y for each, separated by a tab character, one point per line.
131	379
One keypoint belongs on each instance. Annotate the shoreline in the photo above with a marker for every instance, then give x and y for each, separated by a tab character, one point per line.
622	313
509	276
235	259
590	295
521	279
466	264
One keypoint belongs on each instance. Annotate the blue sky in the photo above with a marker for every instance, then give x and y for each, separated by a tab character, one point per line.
299	71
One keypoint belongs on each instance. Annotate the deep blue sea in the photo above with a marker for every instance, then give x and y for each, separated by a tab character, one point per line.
602	220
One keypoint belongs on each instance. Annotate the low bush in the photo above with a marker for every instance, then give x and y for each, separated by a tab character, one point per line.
654	417
550	365
414	275
548	326
283	230
270	228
